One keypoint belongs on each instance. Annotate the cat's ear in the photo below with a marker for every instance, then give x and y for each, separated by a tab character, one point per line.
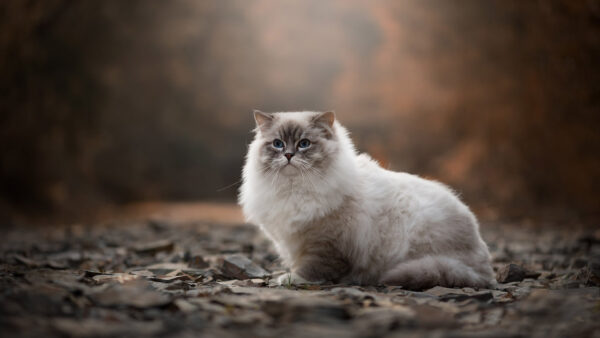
262	119
326	118
325	122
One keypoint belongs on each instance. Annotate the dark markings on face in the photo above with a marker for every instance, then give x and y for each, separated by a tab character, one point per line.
290	133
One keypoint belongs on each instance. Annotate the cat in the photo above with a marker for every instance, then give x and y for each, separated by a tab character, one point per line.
337	216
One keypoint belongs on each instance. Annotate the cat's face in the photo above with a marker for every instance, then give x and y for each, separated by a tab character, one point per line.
295	143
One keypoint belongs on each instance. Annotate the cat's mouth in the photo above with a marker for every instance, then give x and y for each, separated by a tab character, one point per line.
289	168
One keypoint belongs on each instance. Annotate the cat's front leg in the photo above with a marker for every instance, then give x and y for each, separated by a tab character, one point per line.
292	278
321	266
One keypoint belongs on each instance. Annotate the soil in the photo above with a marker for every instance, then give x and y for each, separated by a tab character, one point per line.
190	276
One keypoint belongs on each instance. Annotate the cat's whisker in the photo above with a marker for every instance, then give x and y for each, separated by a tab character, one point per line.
308	165
320	174
311	182
229	186
265	170
302	175
307	177
304	168
268	171
275	178
315	171
274	173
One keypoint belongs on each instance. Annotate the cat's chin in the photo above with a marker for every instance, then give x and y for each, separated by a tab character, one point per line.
289	170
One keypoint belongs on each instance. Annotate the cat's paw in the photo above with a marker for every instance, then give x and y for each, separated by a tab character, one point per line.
288	279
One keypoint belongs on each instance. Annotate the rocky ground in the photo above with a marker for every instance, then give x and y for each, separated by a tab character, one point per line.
190	278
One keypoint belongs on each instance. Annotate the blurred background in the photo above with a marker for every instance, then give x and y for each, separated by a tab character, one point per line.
113	102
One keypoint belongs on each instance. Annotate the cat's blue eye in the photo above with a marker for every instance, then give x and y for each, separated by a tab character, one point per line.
304	143
277	143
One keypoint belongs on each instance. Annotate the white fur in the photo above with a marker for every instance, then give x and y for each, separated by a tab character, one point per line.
395	228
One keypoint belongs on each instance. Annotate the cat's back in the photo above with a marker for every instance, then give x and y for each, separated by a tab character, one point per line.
378	178
405	193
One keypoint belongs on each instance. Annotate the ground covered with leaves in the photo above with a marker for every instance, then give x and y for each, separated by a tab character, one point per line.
172	278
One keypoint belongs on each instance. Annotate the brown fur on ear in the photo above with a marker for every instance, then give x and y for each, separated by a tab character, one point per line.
326	118
262	119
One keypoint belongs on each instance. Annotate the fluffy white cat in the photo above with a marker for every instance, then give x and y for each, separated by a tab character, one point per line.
335	215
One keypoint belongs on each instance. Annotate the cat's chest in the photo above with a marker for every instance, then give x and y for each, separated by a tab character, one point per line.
291	210
291	204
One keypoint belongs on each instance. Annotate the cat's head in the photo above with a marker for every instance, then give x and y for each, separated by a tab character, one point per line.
296	143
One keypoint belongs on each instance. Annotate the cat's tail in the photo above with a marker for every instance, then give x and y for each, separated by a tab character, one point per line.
429	271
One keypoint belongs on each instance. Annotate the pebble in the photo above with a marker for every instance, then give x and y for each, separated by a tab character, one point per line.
240	267
514	273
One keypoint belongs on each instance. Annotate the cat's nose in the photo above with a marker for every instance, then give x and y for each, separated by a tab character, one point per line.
288	156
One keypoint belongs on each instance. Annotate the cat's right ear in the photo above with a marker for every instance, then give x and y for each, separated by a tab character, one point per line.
263	120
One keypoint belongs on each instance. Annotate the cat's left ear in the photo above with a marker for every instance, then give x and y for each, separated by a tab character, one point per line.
326	118
262	119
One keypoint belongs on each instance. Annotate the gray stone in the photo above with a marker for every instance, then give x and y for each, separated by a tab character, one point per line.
514	273
115	277
106	328
447	294
240	267
352	293
137	293
154	247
